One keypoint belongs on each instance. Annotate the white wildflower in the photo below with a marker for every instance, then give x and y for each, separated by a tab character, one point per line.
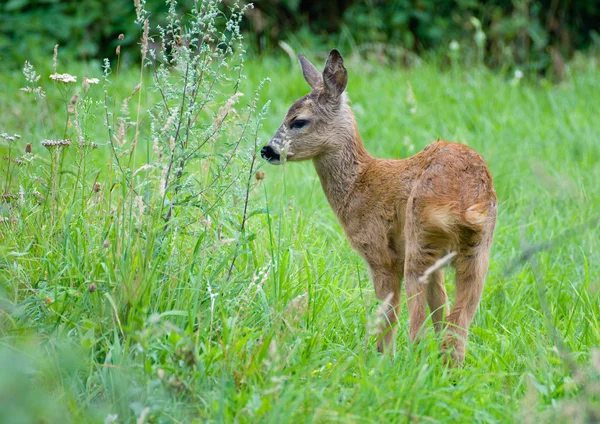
87	82
66	78
8	137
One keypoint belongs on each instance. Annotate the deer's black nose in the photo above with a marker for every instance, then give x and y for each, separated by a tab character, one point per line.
269	154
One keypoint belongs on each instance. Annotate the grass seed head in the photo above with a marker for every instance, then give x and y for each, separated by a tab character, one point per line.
55	58
145	39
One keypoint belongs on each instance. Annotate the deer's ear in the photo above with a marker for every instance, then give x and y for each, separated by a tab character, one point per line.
311	74
335	76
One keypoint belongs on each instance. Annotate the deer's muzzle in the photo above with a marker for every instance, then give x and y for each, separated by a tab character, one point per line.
270	155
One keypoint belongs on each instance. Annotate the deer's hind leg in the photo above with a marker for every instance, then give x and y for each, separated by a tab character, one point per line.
437	299
471	268
419	257
424	246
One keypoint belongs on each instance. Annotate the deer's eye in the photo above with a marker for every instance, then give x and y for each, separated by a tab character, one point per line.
298	123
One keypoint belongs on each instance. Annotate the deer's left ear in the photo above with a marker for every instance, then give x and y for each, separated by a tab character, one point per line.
335	76
312	76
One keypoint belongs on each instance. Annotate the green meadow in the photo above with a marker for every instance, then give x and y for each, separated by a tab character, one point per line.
246	303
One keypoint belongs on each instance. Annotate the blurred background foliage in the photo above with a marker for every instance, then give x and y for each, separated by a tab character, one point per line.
535	35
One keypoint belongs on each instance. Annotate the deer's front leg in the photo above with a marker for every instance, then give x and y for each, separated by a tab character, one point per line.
387	289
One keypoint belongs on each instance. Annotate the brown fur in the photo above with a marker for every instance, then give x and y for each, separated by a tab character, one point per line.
400	215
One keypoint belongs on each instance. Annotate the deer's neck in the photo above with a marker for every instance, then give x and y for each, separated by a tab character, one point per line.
340	168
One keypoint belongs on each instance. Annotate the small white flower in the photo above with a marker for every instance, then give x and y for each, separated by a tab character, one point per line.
66	78
518	74
8	137
454	46
87	82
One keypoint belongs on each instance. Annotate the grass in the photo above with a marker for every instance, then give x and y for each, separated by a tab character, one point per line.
288	336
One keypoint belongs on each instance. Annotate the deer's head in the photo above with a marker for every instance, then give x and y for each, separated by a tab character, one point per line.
314	122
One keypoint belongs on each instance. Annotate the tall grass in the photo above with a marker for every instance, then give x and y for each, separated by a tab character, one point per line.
160	278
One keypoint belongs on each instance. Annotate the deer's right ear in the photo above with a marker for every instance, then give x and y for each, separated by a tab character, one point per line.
312	76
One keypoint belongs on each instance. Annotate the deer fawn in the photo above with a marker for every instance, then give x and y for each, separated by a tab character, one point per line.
403	216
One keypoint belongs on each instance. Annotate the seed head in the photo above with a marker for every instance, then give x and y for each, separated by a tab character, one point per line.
7	137
60	144
92	288
121	37
6	220
55	57
118	50
74	99
106	243
145	39
28	148
96	187
8	197
260	175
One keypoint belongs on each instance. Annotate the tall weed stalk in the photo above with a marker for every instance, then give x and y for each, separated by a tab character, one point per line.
139	209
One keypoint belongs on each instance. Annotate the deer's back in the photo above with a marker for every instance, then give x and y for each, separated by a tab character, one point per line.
452	195
446	189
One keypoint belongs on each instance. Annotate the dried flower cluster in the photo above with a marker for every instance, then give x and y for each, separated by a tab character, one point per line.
51	144
8	137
